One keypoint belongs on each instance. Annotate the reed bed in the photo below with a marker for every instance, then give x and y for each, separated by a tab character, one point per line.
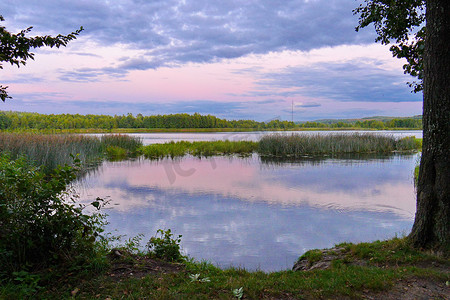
127	142
296	145
52	150
177	149
119	146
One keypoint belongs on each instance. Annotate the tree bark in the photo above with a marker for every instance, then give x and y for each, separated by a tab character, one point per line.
431	227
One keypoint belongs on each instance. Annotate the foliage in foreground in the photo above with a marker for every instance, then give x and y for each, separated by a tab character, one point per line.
15	48
40	225
165	246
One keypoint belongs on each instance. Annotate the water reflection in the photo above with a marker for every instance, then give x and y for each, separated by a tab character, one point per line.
258	213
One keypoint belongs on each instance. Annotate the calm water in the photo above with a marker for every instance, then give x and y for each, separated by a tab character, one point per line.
257	214
155	138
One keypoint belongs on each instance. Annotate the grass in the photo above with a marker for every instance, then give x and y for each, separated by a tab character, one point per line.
119	146
172	149
292	146
50	150
386	263
295	145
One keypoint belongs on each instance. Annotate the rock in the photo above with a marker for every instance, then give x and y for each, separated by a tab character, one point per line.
326	258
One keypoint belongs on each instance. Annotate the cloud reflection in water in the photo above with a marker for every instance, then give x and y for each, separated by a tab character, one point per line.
259	215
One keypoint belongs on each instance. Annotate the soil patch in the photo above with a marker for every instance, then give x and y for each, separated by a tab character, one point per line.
126	265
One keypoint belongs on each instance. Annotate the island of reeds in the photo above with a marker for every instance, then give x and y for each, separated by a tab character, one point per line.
297	145
288	146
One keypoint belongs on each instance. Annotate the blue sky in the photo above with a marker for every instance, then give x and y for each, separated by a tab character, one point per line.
233	59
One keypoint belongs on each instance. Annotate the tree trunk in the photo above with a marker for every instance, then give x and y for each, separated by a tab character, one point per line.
432	223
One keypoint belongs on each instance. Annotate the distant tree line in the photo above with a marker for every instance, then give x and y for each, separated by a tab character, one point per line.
24	120
409	123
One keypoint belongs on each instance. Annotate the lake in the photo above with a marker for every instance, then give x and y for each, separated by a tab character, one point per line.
255	213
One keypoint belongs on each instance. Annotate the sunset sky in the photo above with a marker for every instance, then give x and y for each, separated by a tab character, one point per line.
234	59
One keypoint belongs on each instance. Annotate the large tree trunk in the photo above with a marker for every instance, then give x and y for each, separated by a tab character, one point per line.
432	224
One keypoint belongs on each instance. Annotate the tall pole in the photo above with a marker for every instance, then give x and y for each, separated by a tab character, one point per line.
292	110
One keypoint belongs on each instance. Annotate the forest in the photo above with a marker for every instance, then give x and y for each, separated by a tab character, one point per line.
26	120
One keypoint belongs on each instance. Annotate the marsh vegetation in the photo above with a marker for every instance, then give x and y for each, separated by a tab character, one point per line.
296	145
182	148
49	151
287	146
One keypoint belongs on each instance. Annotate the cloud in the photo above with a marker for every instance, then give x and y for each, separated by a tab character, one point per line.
357	80
182	31
306	105
115	72
22	78
91	74
85	54
58	103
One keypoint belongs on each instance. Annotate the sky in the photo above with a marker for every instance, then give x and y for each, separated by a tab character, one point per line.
235	59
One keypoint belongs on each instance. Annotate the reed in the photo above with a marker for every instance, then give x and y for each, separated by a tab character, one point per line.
52	150
182	148
130	143
296	145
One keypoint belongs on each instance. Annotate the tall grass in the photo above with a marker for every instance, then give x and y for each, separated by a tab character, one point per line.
295	145
52	150
127	142
182	148
119	146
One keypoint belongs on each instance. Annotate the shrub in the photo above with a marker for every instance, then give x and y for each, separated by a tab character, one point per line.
165	246
40	225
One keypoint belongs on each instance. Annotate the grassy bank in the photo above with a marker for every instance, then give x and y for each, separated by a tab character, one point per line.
52	150
296	145
379	270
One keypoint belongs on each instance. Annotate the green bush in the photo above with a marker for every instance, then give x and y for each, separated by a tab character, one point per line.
166	246
40	225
